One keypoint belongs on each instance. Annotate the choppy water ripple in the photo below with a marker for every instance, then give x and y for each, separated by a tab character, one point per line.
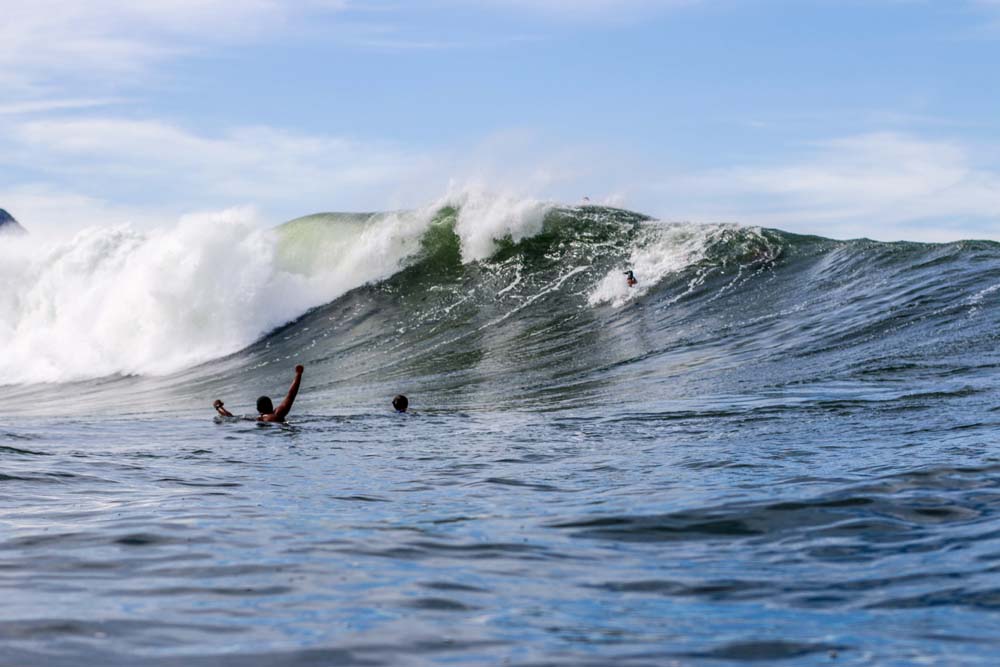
370	541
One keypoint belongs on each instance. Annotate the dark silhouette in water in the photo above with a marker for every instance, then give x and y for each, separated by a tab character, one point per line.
400	403
630	278
265	407
9	224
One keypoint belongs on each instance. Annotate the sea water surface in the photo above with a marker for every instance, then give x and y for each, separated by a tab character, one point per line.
775	450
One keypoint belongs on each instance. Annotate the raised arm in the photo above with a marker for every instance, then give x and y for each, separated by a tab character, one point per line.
218	405
286	405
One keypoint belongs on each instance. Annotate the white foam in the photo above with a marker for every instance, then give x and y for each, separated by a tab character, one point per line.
116	300
975	302
485	218
662	249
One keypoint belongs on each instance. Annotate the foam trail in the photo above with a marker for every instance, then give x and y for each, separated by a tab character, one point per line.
662	249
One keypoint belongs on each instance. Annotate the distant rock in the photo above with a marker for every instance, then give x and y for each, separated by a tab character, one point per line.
9	224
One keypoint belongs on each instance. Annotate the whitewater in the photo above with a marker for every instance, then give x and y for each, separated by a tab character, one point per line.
776	448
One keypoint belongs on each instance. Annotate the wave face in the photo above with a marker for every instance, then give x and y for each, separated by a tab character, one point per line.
490	302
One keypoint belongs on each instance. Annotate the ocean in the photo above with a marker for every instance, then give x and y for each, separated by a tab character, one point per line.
775	449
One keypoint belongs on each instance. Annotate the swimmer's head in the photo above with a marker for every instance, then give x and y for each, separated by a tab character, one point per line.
264	405
400	403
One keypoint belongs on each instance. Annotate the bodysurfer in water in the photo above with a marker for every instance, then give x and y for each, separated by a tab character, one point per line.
265	408
400	403
630	278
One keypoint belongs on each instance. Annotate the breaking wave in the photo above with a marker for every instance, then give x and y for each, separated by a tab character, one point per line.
473	287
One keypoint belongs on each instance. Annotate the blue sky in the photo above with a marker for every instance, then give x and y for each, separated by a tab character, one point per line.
845	118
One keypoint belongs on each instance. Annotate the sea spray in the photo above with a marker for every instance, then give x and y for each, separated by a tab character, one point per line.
485	219
116	300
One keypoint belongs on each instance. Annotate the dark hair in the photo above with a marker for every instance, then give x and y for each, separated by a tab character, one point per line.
264	405
400	402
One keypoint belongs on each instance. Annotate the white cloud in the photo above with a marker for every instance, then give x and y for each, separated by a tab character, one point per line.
885	185
104	41
167	167
43	106
587	8
42	208
45	43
